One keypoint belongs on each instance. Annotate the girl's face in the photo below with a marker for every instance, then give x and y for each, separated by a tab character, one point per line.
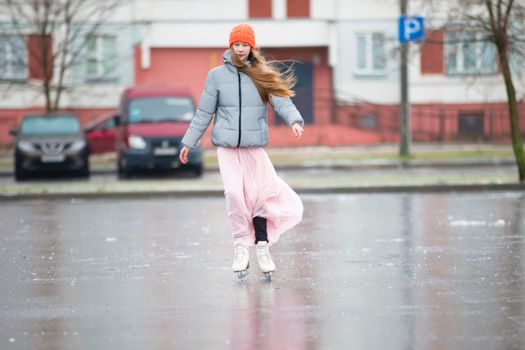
242	50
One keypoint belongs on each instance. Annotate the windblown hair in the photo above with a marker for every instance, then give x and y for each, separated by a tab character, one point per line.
265	75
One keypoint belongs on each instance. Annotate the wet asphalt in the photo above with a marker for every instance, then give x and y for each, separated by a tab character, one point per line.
362	271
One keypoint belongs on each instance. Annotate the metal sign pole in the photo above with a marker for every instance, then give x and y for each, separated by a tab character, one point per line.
405	130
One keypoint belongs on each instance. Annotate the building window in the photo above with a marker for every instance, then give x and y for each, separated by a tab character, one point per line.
471	124
469	53
13	58
101	59
368	122
371	54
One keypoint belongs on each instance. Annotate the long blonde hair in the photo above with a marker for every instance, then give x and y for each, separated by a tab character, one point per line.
265	75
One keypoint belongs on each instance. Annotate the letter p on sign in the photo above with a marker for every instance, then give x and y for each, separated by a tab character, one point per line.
411	29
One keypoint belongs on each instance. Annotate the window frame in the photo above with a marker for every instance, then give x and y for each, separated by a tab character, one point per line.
9	74
454	45
465	118
99	56
369	69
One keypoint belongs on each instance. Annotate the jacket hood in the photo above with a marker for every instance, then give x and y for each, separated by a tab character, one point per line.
227	59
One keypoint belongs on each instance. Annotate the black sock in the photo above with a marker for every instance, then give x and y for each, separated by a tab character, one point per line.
259	223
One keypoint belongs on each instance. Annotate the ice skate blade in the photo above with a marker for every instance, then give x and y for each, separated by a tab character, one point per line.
242	274
268	276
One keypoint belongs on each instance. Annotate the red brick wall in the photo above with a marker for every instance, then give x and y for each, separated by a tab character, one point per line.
432	56
260	8
40	56
172	66
298	8
432	122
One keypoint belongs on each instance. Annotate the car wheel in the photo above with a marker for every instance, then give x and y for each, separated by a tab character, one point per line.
84	172
20	174
123	171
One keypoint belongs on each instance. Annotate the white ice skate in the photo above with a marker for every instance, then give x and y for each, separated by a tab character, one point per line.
265	259
241	261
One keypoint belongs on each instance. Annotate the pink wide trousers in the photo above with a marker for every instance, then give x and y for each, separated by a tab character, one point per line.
252	188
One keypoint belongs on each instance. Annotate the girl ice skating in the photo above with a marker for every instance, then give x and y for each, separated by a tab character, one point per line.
260	204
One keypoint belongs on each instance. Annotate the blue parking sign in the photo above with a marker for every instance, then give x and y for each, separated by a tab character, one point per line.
411	29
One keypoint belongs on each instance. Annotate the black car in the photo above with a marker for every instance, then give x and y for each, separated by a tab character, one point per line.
50	143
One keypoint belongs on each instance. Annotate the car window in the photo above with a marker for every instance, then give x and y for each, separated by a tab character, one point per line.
159	109
50	125
110	124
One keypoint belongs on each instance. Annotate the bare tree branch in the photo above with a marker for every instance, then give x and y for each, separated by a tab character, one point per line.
499	12
507	15
491	16
66	25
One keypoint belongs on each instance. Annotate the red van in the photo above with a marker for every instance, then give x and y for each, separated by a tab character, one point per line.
150	124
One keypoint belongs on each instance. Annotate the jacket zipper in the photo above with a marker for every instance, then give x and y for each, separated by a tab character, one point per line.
240	108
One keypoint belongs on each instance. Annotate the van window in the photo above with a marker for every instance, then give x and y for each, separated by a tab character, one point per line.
160	109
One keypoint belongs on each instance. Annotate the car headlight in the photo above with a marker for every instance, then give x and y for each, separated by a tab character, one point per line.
26	146
77	145
187	116
136	142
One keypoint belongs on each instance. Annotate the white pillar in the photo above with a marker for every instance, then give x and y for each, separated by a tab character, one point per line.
145	49
332	43
279	9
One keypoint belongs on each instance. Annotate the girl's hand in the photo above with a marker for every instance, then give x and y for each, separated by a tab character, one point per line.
297	130
183	156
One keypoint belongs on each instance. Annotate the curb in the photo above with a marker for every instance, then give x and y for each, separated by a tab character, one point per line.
392	165
437	188
346	166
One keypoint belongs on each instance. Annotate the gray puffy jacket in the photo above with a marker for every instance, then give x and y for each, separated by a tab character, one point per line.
241	116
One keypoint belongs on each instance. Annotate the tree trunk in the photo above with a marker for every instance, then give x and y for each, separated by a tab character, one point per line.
517	143
47	94
63	55
59	89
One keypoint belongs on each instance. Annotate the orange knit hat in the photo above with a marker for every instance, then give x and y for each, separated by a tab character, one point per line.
244	33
